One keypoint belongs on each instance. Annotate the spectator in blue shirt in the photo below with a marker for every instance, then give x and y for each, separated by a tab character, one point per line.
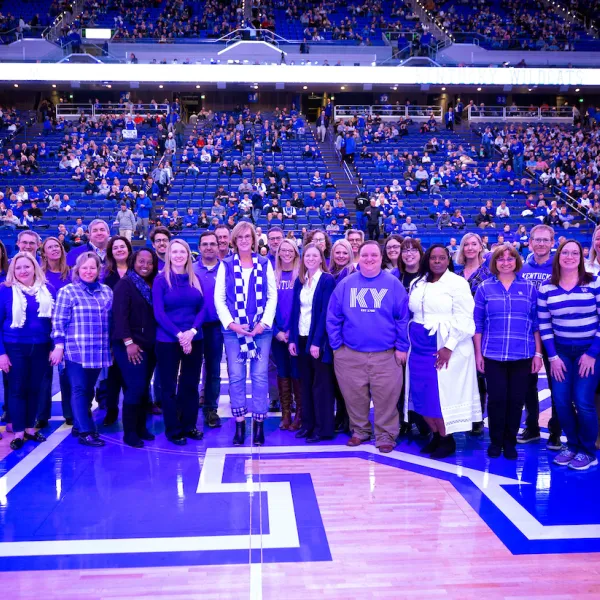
408	227
508	347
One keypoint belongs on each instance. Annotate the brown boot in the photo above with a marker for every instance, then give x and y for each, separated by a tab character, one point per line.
284	384
297	424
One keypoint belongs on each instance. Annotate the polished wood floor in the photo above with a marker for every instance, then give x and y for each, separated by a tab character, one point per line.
392	534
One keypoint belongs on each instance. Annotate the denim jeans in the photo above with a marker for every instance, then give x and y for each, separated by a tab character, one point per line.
136	377
574	398
259	375
45	408
213	353
27	381
82	381
179	398
287	365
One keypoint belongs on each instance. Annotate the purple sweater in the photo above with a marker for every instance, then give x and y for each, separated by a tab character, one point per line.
369	314
178	308
57	281
207	278
285	295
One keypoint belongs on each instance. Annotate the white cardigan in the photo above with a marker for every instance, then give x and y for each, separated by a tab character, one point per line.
445	309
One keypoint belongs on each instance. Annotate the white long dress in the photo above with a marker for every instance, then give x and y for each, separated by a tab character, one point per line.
445	309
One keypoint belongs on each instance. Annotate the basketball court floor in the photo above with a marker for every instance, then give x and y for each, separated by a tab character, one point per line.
292	521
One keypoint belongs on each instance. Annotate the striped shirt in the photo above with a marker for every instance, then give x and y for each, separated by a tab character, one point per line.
570	317
81	322
506	319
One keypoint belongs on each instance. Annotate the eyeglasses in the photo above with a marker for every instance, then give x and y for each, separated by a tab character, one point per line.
391	247
574	254
507	259
410	251
541	240
245	237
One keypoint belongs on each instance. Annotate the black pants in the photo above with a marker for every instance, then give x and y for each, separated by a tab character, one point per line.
481	385
114	384
507	391
27	381
136	378
532	404
373	231
318	393
213	353
179	400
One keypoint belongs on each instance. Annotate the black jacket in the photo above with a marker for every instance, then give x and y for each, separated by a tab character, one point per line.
133	317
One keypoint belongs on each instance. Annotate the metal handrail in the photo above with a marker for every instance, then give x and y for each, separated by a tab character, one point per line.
416	113
519	113
20	35
51	33
92	110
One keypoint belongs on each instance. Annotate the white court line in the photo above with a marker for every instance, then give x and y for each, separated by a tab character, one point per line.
282	520
9	480
256	581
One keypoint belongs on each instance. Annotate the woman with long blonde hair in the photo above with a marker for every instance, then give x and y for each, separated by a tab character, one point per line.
26	306
341	264
309	342
177	299
287	266
58	274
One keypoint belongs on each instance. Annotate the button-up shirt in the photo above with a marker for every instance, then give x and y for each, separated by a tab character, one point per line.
81	322
307	295
507	319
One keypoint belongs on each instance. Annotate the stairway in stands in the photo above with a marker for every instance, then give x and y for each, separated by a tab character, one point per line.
345	181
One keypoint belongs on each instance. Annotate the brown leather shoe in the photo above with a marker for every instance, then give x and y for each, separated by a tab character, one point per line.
386	448
354	441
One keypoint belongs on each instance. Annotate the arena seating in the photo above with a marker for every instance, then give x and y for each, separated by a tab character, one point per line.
510	24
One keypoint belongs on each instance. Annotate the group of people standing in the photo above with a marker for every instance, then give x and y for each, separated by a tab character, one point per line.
346	325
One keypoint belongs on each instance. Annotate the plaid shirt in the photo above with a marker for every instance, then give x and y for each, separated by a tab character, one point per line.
81	322
507	319
477	277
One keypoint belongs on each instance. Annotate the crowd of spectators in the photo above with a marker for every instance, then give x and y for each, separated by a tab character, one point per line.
507	161
511	24
562	157
250	186
110	170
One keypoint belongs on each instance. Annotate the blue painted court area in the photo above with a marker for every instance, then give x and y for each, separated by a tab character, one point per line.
64	506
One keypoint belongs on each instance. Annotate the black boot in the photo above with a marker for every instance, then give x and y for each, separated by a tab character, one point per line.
258	433
240	433
432	445
141	428
446	448
130	435
112	414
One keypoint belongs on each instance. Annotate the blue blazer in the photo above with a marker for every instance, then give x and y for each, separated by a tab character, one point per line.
317	336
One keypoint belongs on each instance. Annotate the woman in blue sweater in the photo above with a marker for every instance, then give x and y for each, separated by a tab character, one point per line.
568	309
309	342
287	265
178	304
26	306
